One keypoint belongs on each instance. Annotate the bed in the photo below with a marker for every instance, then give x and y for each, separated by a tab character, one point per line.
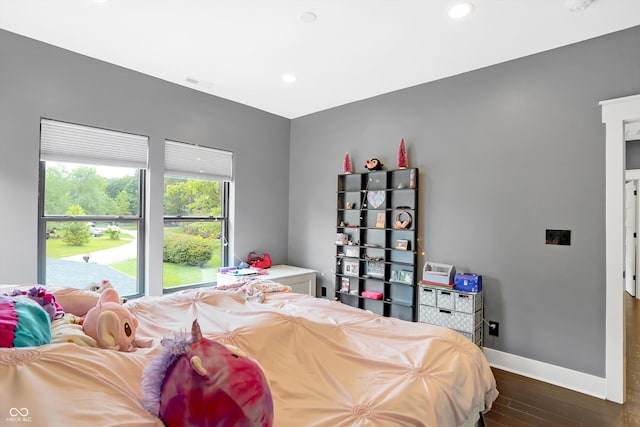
327	364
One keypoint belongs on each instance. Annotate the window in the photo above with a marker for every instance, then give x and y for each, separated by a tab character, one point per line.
91	207
196	189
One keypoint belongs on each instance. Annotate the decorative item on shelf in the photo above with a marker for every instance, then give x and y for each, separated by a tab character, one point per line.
352	251
348	205
347	166
351	268
373	165
402	156
342	224
376	198
402	221
345	285
402	245
405	276
380	220
342	239
375	268
372	294
412	180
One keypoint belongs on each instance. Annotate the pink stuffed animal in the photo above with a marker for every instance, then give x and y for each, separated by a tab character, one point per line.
110	324
195	381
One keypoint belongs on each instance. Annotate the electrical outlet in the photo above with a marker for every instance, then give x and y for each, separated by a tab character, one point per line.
494	328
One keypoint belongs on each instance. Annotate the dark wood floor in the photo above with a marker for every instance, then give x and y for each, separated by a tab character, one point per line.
527	402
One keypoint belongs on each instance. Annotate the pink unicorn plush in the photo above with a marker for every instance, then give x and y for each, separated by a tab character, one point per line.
195	381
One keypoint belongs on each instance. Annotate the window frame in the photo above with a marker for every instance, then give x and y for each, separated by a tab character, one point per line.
136	219
224	230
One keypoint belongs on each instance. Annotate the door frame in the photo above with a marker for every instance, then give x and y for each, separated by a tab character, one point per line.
631	182
615	114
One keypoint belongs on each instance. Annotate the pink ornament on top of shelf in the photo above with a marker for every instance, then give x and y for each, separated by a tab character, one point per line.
347	166
403	163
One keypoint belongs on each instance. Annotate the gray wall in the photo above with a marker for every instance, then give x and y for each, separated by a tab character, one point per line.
38	80
504	152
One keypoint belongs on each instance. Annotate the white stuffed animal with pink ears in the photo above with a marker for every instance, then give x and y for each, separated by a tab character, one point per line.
112	325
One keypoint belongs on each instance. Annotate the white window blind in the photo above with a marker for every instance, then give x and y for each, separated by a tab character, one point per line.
195	161
67	142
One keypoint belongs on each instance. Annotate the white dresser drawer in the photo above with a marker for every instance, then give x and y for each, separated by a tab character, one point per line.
464	322
434	315
445	299
467	302
427	296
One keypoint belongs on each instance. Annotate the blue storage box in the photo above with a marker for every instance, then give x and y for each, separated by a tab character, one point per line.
467	282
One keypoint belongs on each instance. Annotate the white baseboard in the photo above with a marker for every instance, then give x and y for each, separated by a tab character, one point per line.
552	374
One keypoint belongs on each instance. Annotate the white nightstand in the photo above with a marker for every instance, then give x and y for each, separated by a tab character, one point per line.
301	280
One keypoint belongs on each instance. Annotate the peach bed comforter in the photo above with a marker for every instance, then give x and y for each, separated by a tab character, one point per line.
328	365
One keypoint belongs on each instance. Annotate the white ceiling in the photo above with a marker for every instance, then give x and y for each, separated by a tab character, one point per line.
356	49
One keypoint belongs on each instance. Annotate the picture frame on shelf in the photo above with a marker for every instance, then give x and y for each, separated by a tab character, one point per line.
375	268
394	276
352	251
380	220
402	245
351	268
405	276
344	285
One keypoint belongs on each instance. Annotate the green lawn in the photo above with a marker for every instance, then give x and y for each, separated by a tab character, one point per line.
176	274
57	248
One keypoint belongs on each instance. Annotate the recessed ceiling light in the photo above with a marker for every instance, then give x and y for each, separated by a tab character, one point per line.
308	17
460	10
288	78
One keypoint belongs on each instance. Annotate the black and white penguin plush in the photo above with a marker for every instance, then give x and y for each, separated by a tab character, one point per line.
373	165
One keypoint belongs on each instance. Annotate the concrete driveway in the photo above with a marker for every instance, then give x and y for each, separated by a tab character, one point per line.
75	272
